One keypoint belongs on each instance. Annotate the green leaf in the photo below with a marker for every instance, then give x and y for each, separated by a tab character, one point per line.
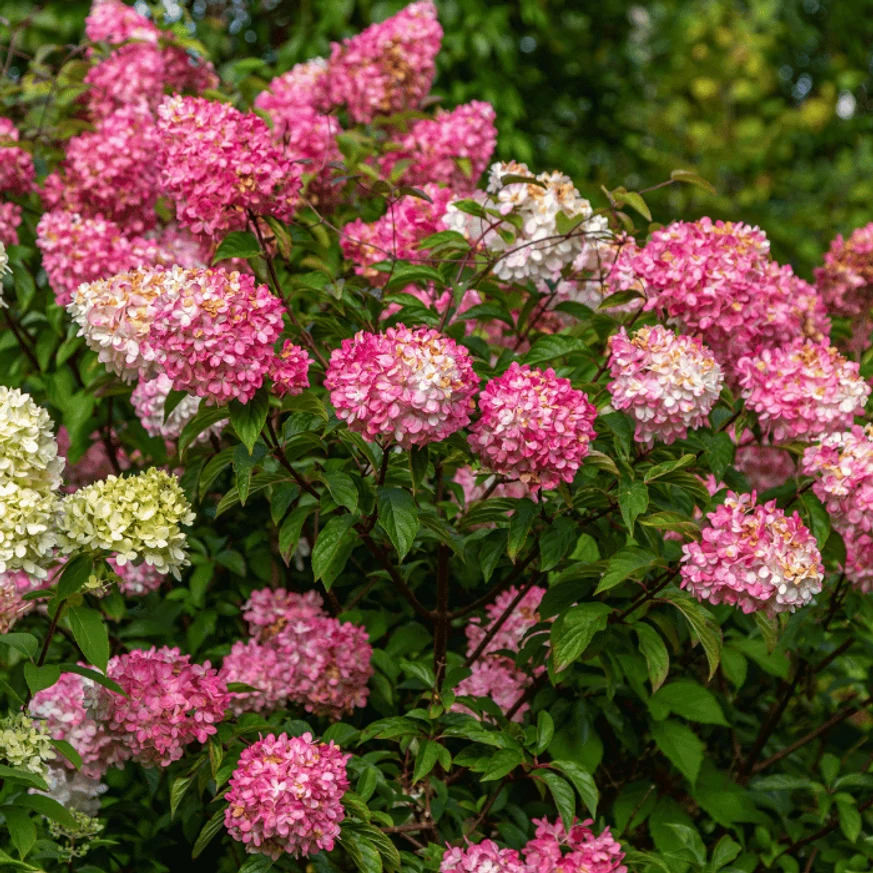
40	678
689	700
769	628
624	564
94	676
362	852
634	200
399	517
248	419
174	398
342	489
74	575
680	745
206	417
659	470
257	864
237	244
425	760
89	631
725	851
692	178
519	526
545	732
22	830
419	459
719	453
562	794
633	500
210	829
68	752
289	533
816	517
552	346
23	777
501	764
703	626
850	820
27	644
48	807
655	652
583	782
334	546
178	790
556	541
572	632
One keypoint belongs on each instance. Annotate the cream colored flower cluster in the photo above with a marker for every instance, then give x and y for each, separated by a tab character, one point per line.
135	517
23	744
30	477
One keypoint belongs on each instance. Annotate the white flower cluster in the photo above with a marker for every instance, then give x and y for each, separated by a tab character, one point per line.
149	400
135	517
115	316
30	477
23	744
521	226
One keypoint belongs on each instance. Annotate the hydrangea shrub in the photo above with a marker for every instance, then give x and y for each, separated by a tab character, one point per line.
370	505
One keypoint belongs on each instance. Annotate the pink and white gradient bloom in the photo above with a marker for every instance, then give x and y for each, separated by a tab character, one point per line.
451	149
716	281
484	857
389	67
289	370
846	279
170	703
753	556
64	716
413	386
149	400
841	465
802	390
396	235
668	383
220	165
534	427
554	850
215	337
13	586
116	316
269	610
285	796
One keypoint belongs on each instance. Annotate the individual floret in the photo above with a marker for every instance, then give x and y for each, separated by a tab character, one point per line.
412	386
534	427
668	383
753	556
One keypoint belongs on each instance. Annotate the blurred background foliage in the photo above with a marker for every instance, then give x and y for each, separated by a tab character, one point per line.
770	100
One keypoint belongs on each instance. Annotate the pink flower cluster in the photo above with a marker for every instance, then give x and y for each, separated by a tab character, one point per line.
170	703
16	165
110	172
215	338
765	466
553	850
846	279
858	566
534	427
753	556
299	654
842	467
10	221
667	382
396	235
389	67
802	390
136	580
475	490
211	332
717	281
289	370
143	62
65	716
454	148
494	674
220	165
303	87
285	796
415	386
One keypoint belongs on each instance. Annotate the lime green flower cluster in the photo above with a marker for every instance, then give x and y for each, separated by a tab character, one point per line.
78	839
138	518
24	744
